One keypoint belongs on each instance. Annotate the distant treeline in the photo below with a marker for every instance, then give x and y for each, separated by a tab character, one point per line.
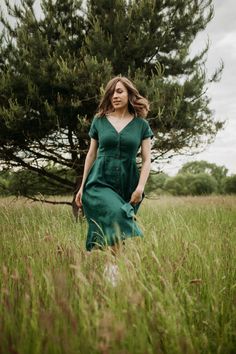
194	178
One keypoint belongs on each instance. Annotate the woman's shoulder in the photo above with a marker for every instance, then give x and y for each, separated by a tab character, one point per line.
98	118
144	128
142	121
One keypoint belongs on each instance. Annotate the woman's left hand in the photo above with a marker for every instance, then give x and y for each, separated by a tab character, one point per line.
136	196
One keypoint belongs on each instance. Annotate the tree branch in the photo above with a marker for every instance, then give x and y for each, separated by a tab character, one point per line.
48	201
40	171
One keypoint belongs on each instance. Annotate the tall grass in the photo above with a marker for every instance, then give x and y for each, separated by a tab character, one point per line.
177	288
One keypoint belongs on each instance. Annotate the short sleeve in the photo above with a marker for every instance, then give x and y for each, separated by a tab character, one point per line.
147	131
93	132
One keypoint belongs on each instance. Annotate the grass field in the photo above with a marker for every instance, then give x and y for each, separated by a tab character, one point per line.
176	293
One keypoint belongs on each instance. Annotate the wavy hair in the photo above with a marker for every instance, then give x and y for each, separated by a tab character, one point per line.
137	104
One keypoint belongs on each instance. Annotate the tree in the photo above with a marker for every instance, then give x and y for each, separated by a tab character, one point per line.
48	85
150	41
191	184
177	185
230	184
4	183
156	182
53	69
29	184
202	184
203	167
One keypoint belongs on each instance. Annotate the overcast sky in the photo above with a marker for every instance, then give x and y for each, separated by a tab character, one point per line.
221	32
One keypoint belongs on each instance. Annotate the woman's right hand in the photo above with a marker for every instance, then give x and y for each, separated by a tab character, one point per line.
78	198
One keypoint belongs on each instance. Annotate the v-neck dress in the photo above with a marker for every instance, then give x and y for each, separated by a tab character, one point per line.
111	181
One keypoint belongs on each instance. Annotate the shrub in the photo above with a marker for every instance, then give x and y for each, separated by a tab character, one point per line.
191	184
229	184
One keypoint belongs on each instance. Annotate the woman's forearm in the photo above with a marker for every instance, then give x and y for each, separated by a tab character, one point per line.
90	158
145	170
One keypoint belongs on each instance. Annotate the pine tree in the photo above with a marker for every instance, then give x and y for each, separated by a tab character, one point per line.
53	68
150	41
49	86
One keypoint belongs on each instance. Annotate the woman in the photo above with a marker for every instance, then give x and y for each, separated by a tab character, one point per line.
112	188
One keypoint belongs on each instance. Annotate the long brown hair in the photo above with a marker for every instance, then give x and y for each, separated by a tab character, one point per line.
138	105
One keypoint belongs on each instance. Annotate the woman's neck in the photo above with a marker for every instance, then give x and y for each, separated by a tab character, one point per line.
121	113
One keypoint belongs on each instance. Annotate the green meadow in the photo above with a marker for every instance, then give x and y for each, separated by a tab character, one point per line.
176	291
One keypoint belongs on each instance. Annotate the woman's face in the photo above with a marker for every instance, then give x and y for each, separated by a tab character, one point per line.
120	97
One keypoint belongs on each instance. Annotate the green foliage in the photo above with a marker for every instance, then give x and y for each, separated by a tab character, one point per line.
196	167
28	183
202	184
149	41
191	184
4	183
229	184
53	68
177	185
48	83
155	183
189	181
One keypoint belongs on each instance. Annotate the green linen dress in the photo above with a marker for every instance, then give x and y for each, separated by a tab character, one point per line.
112	179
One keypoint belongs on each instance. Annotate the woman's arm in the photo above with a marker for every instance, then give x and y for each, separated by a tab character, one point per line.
145	170
91	156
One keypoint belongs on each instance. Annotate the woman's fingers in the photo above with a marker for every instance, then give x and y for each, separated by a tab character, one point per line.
135	198
78	200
